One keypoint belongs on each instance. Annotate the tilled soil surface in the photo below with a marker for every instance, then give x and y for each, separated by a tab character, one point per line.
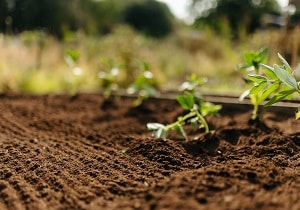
58	152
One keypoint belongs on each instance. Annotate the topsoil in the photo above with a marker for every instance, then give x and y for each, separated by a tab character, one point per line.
58	152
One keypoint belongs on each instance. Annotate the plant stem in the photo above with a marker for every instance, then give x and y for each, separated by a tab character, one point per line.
255	112
254	100
180	121
203	121
194	112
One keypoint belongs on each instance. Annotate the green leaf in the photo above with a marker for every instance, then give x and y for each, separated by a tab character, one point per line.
249	57
269	72
160	133
280	96
254	59
186	101
154	126
193	82
208	108
286	88
256	78
285	77
268	91
159	130
193	78
244	67
257	88
146	66
73	54
285	63
262	54
244	95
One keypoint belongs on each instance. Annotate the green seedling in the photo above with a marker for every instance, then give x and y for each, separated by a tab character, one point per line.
197	109
192	86
144	86
75	78
71	57
108	80
277	83
253	62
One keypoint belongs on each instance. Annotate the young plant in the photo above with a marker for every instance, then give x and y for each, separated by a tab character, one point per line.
277	83
253	62
192	86
75	78
109	79
197	109
144	86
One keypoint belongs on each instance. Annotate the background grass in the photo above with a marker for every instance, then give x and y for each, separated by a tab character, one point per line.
35	62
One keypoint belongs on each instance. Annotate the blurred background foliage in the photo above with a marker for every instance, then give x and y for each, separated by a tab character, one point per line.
38	37
90	16
232	18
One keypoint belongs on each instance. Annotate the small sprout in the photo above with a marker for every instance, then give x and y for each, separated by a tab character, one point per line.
144	86
192	86
74	77
197	108
253	62
109	79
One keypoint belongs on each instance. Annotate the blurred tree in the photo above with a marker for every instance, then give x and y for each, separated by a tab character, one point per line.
151	17
102	15
234	18
294	12
91	16
3	14
32	14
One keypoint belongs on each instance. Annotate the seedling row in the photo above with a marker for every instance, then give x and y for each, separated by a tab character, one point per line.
267	85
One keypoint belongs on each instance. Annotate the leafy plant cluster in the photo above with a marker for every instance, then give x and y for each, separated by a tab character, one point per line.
269	83
253	61
143	87
196	110
108	80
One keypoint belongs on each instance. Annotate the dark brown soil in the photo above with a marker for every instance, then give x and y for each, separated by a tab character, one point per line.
58	152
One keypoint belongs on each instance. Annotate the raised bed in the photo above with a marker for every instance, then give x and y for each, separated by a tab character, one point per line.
58	152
